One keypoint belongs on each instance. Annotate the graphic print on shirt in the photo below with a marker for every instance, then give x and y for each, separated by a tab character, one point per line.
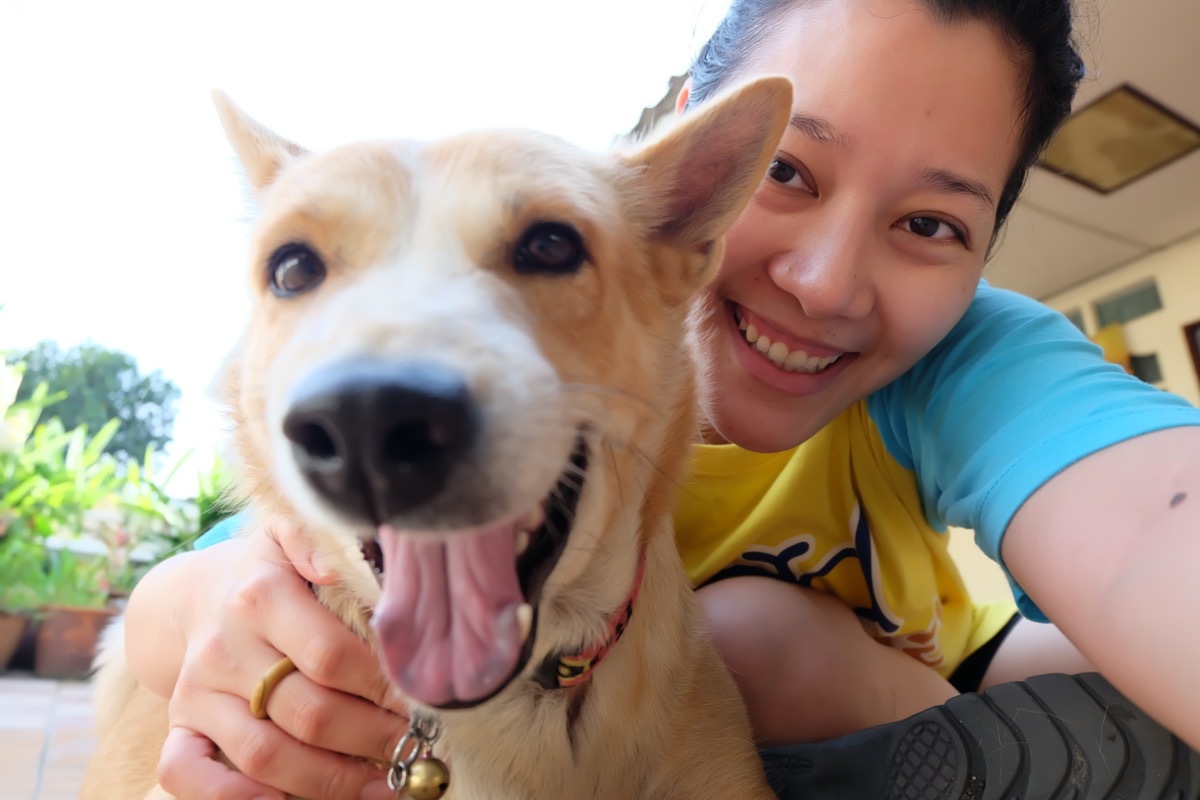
796	560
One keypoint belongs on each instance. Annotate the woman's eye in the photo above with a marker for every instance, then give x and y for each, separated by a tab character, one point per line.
785	174
933	228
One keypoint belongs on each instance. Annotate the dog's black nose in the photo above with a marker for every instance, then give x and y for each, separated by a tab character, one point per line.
378	438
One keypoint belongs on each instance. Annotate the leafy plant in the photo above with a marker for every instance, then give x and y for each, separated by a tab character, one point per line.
58	485
50	481
73	580
141	514
23	582
213	501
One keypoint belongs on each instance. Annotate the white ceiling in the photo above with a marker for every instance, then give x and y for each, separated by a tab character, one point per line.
1060	233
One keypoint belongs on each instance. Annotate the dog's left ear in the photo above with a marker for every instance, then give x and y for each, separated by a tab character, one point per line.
262	152
698	177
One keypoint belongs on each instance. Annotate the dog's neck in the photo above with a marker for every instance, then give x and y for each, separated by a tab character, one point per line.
560	670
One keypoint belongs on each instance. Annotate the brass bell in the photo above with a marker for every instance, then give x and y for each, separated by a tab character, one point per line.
428	778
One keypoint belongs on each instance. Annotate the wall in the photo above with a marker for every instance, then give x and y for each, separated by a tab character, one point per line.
1177	271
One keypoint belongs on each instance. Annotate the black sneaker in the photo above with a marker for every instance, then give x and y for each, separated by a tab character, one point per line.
1053	736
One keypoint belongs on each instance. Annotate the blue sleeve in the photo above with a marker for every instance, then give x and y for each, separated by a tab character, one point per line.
1012	396
223	531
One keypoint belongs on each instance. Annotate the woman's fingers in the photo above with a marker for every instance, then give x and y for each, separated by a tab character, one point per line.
323	718
333	720
303	703
272	602
264	754
296	623
297	549
188	768
329	654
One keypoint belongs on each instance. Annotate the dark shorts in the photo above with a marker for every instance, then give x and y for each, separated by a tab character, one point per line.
970	672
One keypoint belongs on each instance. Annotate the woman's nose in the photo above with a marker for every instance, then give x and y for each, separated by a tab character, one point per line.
829	275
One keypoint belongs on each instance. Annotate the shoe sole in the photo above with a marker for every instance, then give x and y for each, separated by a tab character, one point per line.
1073	737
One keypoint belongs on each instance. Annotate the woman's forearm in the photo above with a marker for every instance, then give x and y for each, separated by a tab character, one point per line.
1109	551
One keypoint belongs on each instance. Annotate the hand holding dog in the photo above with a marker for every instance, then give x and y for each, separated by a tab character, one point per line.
324	717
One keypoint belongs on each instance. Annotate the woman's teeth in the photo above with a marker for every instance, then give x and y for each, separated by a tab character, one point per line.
778	353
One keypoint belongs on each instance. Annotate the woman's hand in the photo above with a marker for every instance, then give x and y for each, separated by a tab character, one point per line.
202	628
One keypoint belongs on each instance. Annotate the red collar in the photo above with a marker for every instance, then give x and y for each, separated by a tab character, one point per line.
561	671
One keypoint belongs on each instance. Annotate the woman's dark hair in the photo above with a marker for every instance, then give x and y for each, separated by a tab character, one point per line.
1040	30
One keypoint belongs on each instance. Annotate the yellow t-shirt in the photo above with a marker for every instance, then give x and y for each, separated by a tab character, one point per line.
840	515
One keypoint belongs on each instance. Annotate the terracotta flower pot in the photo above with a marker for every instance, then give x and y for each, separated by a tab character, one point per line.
67	639
11	628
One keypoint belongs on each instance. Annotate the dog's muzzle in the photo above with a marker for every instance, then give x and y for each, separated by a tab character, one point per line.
377	439
394	446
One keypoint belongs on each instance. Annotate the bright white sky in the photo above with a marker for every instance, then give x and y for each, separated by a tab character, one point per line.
121	207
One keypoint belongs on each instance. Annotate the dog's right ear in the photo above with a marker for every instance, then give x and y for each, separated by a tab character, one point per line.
701	173
263	153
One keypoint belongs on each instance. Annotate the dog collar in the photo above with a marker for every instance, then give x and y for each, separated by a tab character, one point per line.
562	671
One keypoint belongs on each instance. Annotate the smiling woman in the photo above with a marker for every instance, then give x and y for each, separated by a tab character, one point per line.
850	342
877	240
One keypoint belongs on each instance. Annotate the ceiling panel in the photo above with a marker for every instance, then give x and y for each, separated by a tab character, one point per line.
1061	233
1041	254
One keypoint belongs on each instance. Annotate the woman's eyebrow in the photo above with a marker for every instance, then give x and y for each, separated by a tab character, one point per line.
942	180
821	130
818	129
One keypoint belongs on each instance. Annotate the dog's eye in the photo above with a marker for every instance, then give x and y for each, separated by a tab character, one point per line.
549	247
294	269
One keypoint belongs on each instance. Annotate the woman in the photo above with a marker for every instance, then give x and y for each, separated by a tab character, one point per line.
867	390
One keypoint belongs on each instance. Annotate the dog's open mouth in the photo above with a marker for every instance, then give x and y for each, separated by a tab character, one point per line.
458	613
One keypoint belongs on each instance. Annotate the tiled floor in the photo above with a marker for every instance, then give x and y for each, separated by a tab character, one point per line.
45	737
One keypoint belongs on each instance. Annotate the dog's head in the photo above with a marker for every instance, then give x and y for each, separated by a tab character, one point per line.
474	350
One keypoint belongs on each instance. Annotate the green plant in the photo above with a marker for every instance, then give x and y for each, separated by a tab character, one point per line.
24	479
50	478
73	580
23	582
58	486
213	501
141	516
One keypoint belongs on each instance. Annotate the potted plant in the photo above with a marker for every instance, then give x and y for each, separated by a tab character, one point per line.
49	478
22	584
77	529
25	521
74	614
75	592
141	523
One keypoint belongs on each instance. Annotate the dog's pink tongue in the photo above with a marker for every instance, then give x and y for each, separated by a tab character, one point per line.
447	621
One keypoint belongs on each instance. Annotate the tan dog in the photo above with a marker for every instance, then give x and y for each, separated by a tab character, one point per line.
475	350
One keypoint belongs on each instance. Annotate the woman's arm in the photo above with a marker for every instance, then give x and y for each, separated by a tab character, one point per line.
1066	468
1110	550
201	628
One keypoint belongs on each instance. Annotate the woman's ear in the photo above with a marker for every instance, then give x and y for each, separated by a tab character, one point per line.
682	98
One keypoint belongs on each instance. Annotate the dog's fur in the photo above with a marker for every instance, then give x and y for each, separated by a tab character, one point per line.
419	240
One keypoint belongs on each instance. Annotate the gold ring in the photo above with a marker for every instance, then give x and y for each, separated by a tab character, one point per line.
267	683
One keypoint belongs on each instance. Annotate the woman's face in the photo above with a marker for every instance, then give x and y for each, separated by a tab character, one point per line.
865	242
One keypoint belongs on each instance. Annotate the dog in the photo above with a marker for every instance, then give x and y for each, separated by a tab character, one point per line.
476	352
